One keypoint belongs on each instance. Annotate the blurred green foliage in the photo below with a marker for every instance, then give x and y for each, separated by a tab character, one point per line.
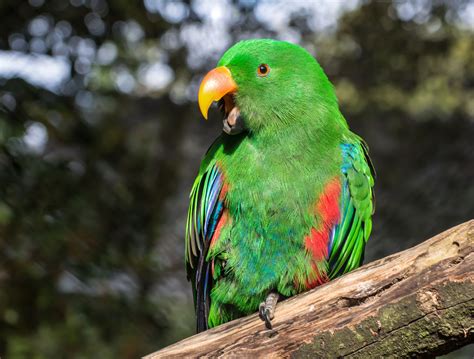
96	161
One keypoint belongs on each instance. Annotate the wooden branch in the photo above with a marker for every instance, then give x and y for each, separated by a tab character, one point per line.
419	302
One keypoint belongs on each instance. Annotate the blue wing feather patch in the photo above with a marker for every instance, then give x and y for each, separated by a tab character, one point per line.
205	209
346	248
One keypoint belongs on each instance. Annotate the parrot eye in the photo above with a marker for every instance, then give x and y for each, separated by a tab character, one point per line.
263	70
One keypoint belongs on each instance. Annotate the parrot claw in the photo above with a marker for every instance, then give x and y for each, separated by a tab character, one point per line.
265	315
266	309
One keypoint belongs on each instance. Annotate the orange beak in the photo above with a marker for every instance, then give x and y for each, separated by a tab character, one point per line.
215	85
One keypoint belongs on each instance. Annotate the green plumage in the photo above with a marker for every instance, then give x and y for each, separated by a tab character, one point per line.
268	182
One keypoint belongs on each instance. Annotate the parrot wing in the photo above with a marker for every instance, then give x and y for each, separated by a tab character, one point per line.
349	236
205	209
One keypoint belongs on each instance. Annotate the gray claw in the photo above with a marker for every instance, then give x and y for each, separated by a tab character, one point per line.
266	309
268	319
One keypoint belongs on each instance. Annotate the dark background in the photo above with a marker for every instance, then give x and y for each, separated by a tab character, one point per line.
100	140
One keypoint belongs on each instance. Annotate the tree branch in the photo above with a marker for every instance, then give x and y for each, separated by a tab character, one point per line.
419	302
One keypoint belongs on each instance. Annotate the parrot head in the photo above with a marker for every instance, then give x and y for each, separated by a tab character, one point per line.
262	84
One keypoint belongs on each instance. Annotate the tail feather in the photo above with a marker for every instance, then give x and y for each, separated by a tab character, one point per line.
203	299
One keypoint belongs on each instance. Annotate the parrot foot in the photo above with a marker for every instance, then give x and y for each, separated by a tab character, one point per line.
266	309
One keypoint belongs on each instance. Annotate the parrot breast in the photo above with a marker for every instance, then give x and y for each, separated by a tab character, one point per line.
281	204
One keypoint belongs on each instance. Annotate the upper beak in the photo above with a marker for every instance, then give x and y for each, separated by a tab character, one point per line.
217	83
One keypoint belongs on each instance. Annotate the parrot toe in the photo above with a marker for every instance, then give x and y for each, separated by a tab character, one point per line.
266	309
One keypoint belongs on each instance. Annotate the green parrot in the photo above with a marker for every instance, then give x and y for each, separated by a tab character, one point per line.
284	197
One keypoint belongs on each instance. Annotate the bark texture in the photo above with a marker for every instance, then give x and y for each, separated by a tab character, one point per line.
419	302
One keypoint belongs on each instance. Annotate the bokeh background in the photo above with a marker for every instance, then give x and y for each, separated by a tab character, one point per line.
100	139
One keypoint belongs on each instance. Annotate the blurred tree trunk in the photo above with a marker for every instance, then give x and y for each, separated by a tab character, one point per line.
419	302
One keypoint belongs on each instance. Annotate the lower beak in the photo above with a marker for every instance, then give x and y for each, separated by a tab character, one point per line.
215	85
233	122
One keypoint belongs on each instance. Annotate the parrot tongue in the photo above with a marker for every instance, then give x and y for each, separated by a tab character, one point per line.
233	122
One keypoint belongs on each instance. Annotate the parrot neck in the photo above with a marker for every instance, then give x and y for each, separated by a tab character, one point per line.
297	128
